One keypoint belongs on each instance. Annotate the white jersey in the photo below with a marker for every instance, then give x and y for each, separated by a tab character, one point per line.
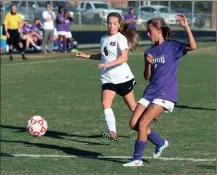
111	47
48	25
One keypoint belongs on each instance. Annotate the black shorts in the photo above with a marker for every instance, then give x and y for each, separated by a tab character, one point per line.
122	89
14	37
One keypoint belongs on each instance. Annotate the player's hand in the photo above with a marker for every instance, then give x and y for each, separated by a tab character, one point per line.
21	35
149	58
103	66
8	35
82	55
182	20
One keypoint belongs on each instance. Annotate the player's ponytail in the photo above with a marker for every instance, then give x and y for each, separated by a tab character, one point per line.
131	35
159	23
166	32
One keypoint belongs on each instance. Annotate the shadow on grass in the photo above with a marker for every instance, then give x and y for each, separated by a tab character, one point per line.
196	108
209	167
56	134
68	150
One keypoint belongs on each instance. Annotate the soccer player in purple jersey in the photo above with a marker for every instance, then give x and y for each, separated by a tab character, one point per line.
161	63
68	19
61	30
115	73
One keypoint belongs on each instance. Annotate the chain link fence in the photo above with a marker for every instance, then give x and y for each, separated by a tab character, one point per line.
91	15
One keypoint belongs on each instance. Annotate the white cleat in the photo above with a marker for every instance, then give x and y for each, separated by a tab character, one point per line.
158	151
134	163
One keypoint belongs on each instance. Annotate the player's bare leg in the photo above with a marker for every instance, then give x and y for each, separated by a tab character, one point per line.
130	100
143	132
107	100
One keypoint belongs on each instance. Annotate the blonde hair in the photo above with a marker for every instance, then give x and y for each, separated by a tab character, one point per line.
124	29
160	23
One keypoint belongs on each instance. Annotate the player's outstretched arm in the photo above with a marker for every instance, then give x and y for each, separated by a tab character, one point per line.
86	56
184	23
121	59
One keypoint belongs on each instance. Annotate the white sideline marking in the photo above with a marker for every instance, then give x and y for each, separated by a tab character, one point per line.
113	157
36	62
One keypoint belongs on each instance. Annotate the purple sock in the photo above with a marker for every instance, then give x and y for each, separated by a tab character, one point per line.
155	139
64	45
72	45
139	149
55	43
59	45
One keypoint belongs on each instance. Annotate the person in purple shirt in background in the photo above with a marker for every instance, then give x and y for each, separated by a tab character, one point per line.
131	18
26	35
36	31
68	19
161	63
61	30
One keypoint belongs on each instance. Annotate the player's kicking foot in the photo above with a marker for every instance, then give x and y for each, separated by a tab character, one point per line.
134	163
158	150
110	135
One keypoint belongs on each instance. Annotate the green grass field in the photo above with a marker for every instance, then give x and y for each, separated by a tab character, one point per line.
66	91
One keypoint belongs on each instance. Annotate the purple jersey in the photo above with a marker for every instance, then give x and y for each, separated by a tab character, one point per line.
163	82
26	29
68	24
35	28
60	25
129	16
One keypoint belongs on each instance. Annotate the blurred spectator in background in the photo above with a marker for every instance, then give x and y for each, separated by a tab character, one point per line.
61	30
55	39
27	36
131	18
13	30
37	31
70	43
49	17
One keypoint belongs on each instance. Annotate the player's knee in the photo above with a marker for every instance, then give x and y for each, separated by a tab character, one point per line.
143	124
132	108
132	124
106	104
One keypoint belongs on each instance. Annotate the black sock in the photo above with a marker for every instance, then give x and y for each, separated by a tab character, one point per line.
22	50
10	51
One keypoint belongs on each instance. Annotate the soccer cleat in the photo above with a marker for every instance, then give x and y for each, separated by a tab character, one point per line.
109	137
158	150
134	163
23	57
74	50
38	47
11	57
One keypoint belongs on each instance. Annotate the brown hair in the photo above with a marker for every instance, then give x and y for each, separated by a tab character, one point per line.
160	23
131	35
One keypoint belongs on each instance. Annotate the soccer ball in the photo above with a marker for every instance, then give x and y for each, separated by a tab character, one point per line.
37	126
75	43
71	13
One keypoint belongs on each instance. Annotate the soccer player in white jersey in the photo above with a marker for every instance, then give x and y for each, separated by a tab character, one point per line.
115	73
